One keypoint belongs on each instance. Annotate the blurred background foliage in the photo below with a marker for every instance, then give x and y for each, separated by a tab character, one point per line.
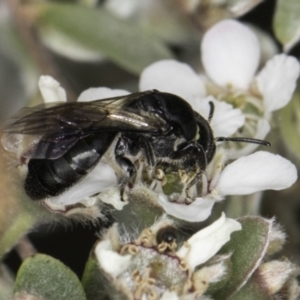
91	43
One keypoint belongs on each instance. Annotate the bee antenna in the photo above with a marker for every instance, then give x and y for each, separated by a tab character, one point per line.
211	110
243	140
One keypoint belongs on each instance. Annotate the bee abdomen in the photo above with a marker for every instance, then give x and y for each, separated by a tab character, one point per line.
48	178
44	179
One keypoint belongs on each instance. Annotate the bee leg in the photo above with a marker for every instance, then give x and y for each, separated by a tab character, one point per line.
139	172
188	180
192	161
123	193
188	189
142	144
128	166
134	147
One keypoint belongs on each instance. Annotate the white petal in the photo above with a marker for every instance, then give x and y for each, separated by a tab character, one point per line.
110	261
257	172
263	128
100	93
226	119
197	211
51	90
99	179
173	77
230	54
208	241
277	81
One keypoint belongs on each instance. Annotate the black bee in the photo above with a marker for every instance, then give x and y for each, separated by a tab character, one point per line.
63	142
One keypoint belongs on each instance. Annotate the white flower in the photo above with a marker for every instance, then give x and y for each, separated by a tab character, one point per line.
153	266
230	56
253	173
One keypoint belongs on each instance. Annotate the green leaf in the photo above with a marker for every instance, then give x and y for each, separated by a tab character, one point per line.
249	247
219	285
92	280
286	22
289	125
253	289
44	276
98	30
6	283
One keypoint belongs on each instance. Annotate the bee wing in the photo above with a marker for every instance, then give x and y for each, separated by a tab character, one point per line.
37	146
82	117
49	130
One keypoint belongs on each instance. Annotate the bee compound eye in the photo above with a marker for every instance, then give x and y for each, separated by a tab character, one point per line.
167	234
